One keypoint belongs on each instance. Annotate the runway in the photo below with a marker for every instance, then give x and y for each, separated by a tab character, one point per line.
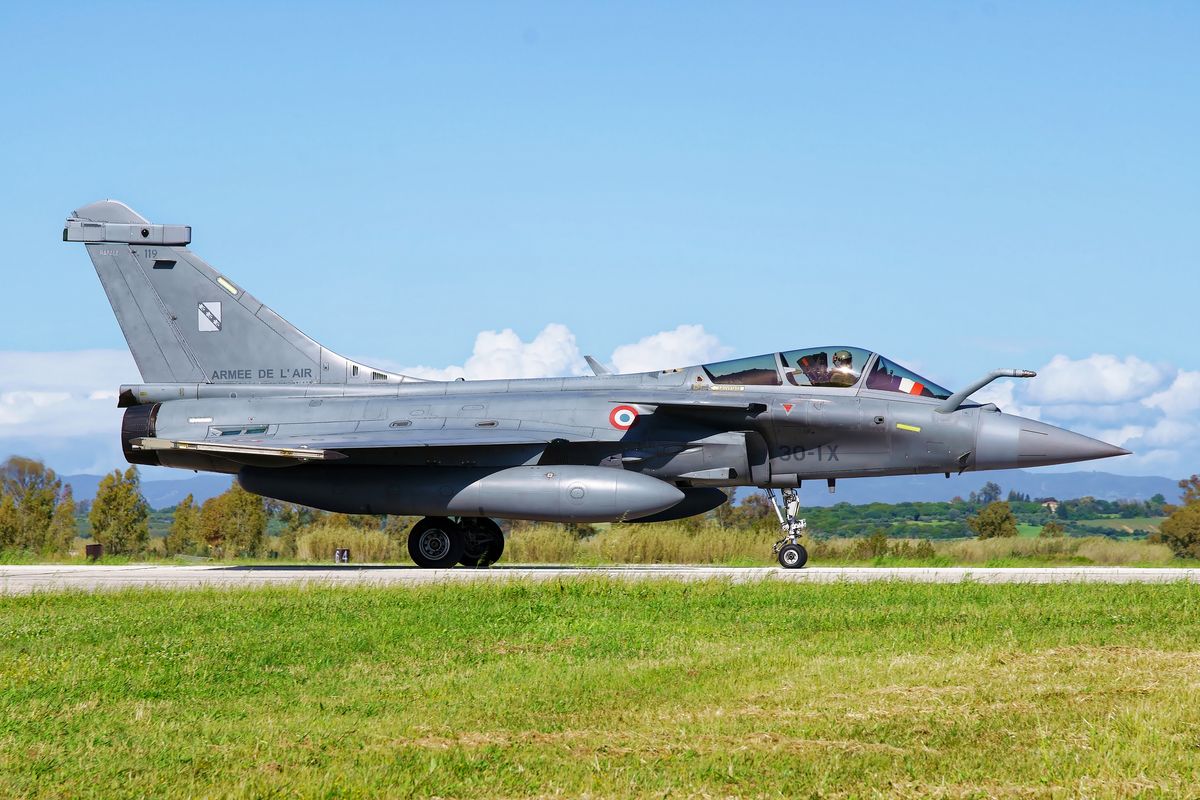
25	579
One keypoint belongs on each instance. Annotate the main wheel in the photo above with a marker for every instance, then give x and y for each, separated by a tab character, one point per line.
483	542
435	542
793	556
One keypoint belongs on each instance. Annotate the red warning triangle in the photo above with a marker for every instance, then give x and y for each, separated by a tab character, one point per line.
787	408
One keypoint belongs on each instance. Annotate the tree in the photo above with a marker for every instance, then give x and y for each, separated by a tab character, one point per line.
10	522
119	513
1181	530
34	490
994	521
34	522
184	534
234	523
1052	529
990	493
19	476
753	511
1191	490
62	529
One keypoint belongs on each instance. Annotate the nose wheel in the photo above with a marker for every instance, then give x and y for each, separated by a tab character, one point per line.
788	550
793	556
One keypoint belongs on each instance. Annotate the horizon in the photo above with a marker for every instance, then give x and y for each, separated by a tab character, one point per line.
495	191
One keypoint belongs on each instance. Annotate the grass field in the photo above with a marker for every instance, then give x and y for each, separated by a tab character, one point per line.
1025	529
1126	525
604	690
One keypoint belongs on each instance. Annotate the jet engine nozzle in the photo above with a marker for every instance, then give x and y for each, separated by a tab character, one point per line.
138	423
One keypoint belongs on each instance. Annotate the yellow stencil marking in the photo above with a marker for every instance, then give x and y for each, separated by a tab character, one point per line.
904	427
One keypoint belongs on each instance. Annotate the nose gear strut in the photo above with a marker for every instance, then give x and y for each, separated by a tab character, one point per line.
788	550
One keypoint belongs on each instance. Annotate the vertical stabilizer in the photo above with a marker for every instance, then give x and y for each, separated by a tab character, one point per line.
187	323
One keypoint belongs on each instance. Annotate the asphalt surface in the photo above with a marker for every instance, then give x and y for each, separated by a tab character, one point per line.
25	579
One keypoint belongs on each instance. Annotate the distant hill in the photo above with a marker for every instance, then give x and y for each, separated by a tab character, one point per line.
899	489
159	494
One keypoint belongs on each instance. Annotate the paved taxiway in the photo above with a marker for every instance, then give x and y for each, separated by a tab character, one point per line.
52	577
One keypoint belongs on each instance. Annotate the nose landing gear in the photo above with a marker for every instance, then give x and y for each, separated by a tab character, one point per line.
790	552
441	542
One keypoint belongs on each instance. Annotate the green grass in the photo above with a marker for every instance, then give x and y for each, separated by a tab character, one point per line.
603	689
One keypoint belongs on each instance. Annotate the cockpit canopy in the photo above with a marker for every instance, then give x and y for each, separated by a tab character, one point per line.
824	367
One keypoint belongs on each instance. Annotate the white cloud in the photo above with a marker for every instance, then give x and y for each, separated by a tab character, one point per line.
1181	397
1115	414
502	354
1003	393
62	407
1098	378
554	352
682	347
1169	432
1128	401
1123	435
98	370
60	395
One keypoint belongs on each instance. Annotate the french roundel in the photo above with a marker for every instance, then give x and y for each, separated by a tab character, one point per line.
622	417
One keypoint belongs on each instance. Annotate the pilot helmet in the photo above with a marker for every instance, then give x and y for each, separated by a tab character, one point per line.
842	358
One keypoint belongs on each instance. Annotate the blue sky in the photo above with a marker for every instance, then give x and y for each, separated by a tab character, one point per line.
960	186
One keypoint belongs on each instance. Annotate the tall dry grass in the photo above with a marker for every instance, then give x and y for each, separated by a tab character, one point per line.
318	544
667	543
674	543
659	543
1091	549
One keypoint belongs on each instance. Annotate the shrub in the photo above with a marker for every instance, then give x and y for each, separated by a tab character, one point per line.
1181	531
995	521
1052	529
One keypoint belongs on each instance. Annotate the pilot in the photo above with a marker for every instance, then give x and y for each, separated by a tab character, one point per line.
843	372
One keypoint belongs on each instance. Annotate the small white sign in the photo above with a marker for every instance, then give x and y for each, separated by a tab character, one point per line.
209	316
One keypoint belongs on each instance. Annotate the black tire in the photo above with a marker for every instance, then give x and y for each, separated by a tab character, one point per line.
435	543
483	542
793	556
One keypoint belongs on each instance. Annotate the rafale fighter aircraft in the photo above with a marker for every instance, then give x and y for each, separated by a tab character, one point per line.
229	386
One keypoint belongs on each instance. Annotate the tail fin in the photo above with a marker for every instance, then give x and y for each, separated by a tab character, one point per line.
187	323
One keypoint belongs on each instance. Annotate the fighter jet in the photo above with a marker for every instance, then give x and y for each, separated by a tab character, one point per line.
229	386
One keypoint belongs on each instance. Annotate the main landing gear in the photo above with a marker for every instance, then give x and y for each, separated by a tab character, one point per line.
790	552
441	542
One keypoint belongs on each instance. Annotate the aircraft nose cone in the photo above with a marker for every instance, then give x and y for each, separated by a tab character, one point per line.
1045	444
1006	441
